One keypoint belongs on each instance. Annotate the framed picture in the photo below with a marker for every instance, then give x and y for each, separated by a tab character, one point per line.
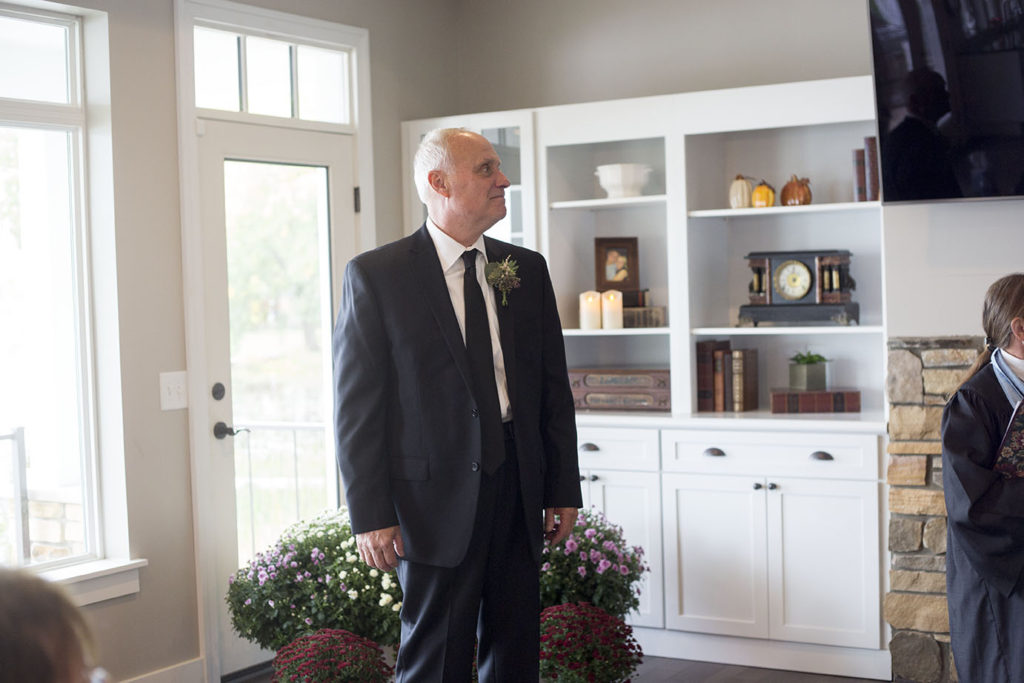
616	264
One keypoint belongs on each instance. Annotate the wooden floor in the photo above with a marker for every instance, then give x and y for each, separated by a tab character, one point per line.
663	670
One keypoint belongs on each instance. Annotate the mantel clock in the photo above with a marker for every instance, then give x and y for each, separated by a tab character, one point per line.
800	286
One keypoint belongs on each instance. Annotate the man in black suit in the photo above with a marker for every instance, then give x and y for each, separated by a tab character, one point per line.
455	423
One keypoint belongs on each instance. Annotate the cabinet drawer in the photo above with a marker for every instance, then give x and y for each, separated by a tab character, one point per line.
618	449
841	456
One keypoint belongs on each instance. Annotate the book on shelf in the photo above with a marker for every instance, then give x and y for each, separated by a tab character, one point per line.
723	403
1010	455
871	171
860	188
744	379
718	378
811	401
705	371
643	316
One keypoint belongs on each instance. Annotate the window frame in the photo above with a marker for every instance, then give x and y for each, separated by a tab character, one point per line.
108	571
294	121
70	118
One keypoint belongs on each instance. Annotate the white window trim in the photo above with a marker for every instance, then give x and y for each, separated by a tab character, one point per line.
248	19
114	574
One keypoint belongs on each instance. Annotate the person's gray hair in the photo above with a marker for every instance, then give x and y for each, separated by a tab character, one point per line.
433	154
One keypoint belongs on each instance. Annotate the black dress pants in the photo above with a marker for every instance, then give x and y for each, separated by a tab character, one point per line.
494	595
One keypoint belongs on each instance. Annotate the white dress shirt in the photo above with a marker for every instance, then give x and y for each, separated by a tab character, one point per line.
449	253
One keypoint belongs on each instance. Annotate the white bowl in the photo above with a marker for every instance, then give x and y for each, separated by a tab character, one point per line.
623	180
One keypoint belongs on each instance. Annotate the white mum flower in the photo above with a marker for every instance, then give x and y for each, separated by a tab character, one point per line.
353	594
385	600
374	573
395	607
350	558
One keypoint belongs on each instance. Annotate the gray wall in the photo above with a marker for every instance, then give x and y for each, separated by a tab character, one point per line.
527	53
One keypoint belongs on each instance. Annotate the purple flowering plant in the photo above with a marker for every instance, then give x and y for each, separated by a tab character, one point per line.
593	565
581	643
331	656
312	578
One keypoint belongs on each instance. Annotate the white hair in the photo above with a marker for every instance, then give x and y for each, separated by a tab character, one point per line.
434	154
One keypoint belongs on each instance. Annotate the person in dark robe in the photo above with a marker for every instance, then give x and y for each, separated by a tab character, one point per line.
985	508
916	162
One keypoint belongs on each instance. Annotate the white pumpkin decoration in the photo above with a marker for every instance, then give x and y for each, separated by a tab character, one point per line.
739	193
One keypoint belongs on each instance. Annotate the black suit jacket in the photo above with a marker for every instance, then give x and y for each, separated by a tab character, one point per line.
408	443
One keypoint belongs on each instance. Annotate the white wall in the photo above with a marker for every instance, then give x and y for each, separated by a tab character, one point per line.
940	259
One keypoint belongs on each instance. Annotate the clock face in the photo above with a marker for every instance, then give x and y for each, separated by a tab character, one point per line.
792	280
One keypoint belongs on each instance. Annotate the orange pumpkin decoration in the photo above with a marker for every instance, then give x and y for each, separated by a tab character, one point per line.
763	195
796	192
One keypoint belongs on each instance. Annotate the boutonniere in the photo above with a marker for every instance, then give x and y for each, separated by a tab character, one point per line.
502	276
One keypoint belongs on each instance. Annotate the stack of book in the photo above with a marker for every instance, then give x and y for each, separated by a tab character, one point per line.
726	377
637	310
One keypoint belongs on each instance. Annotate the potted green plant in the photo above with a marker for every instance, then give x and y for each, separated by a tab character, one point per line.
581	643
312	578
807	372
593	565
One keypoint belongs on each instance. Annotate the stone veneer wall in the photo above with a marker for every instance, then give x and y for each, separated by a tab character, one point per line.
922	373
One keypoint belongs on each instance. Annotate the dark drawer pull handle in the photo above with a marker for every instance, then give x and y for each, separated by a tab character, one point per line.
714	452
772	486
758	486
593	477
821	455
583	478
589	447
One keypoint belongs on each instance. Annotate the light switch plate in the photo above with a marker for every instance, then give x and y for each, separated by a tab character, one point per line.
173	390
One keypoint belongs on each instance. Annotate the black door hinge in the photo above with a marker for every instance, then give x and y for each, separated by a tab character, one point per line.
355	197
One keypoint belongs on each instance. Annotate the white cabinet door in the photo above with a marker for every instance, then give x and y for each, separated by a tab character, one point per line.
632	500
823	560
714	540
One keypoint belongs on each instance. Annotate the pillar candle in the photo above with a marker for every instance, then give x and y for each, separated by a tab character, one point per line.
611	310
590	311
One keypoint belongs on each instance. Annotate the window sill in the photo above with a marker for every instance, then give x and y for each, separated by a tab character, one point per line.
100	580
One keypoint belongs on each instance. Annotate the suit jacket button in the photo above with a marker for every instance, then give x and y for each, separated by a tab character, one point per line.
476	413
475	466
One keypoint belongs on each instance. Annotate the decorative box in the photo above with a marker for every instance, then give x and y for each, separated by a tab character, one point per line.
621	389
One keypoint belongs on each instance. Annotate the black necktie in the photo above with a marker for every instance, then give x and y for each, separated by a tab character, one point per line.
481	363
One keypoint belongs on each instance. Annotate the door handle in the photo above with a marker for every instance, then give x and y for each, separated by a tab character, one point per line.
714	452
589	447
220	430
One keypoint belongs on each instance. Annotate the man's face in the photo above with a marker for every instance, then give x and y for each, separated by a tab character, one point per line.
476	184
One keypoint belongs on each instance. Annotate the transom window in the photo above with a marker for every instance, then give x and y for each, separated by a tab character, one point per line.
271	77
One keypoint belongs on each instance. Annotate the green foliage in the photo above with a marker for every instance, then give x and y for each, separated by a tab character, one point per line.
580	643
331	656
312	578
808	358
593	565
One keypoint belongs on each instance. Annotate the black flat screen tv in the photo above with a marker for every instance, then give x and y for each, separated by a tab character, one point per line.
949	82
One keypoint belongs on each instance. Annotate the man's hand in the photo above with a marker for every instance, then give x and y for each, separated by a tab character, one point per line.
556	531
381	548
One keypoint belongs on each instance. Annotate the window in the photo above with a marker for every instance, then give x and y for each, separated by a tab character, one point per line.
47	436
271	77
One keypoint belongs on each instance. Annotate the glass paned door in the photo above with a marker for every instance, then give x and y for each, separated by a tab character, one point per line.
278	220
